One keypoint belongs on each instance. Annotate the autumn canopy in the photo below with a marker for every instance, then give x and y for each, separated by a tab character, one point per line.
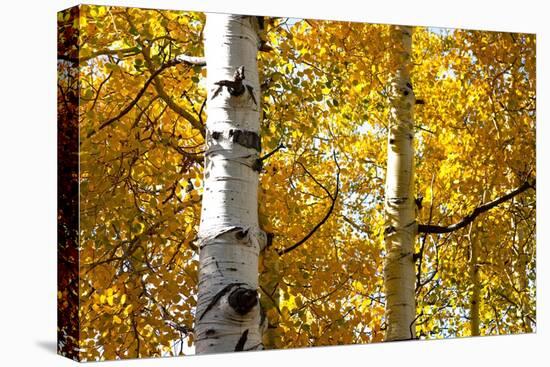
330	118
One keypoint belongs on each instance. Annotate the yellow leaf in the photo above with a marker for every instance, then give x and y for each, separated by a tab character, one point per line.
272	314
127	310
117	320
358	286
147	331
123	299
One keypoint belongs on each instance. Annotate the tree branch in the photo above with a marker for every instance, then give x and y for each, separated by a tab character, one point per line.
327	215
192	60
128	108
271	299
125	52
426	228
132	51
280	146
159	86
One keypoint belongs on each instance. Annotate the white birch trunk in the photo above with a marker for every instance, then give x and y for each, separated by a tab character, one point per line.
401	227
228	312
476	288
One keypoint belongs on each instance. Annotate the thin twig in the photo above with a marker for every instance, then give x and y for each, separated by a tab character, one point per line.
129	107
327	215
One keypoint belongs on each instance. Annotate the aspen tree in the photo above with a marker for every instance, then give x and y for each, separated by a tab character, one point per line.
228	312
400	231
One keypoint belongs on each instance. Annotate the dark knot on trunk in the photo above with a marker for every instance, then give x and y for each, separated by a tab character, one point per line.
242	300
235	87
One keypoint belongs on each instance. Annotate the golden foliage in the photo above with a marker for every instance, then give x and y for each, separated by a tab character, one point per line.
327	85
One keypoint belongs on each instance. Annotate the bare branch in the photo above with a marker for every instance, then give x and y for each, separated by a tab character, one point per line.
426	228
327	215
125	52
192	60
280	146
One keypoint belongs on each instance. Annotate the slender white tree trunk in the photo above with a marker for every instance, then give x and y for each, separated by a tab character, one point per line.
476	287
401	227
228	313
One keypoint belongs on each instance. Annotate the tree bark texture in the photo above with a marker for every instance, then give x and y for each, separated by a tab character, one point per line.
228	312
401	227
476	286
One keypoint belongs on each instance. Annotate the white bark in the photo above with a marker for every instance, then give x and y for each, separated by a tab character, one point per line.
228	312
476	286
401	227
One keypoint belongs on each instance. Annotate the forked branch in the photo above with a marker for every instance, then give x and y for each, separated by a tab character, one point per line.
182	59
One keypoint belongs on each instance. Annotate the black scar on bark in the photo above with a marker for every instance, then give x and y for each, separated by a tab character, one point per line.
257	165
247	139
235	87
216	135
270	237
261	23
241	234
219	295
397	201
242	300
263	315
389	230
242	341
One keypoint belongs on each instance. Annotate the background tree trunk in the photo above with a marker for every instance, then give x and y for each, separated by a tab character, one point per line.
228	312
474	278
399	272
271	299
